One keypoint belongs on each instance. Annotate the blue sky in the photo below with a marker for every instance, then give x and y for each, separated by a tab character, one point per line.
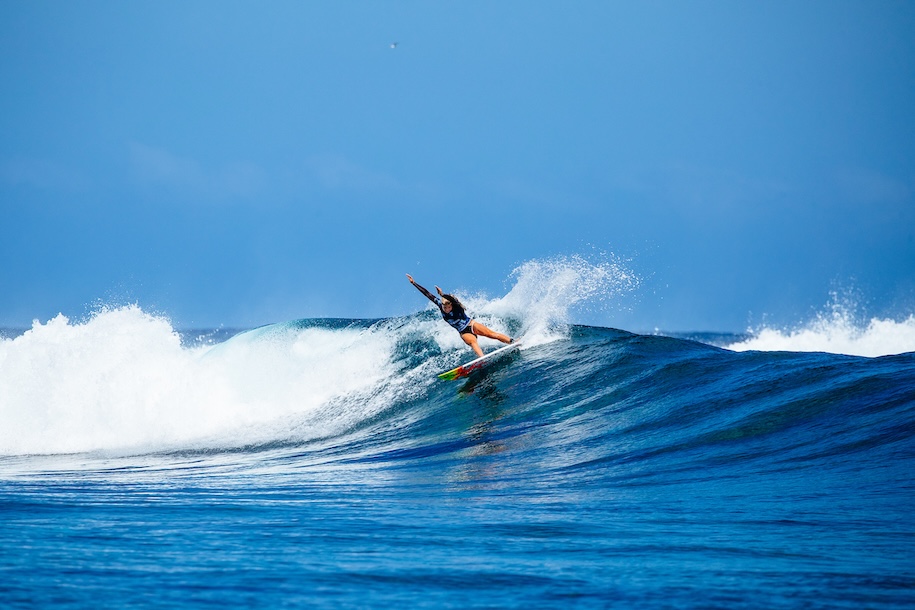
233	163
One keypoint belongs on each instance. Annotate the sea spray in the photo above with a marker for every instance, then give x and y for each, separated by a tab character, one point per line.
838	330
544	296
547	292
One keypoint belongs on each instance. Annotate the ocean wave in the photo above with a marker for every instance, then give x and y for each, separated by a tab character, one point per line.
574	399
123	380
837	331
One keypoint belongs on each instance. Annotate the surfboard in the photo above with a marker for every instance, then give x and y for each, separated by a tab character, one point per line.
482	361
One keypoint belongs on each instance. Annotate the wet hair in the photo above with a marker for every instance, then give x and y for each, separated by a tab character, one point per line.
455	304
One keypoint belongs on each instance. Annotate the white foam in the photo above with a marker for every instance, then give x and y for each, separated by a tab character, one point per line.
122	380
837	332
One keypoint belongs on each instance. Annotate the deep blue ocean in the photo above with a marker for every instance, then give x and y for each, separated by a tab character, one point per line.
321	463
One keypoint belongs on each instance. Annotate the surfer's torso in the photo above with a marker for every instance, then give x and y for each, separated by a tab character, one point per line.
457	317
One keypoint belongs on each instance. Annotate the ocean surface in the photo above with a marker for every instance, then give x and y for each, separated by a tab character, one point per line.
321	463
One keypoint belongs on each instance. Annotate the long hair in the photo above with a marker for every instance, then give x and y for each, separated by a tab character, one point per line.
455	304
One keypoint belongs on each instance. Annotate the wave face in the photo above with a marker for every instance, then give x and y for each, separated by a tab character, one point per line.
322	460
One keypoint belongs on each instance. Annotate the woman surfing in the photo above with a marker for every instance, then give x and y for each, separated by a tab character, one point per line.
454	314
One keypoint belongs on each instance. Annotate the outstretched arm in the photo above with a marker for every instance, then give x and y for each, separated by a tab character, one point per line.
423	290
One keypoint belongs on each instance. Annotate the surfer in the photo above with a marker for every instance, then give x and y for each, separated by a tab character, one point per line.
454	314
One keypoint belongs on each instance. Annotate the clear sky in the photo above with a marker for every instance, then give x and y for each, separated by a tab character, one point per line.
238	163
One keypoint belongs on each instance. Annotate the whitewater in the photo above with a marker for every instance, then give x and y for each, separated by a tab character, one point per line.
320	462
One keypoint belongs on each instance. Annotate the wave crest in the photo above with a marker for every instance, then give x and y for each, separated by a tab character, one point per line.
837	332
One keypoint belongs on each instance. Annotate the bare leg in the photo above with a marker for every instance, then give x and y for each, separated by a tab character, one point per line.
471	340
481	330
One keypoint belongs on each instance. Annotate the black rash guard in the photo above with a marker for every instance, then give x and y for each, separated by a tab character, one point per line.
458	318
